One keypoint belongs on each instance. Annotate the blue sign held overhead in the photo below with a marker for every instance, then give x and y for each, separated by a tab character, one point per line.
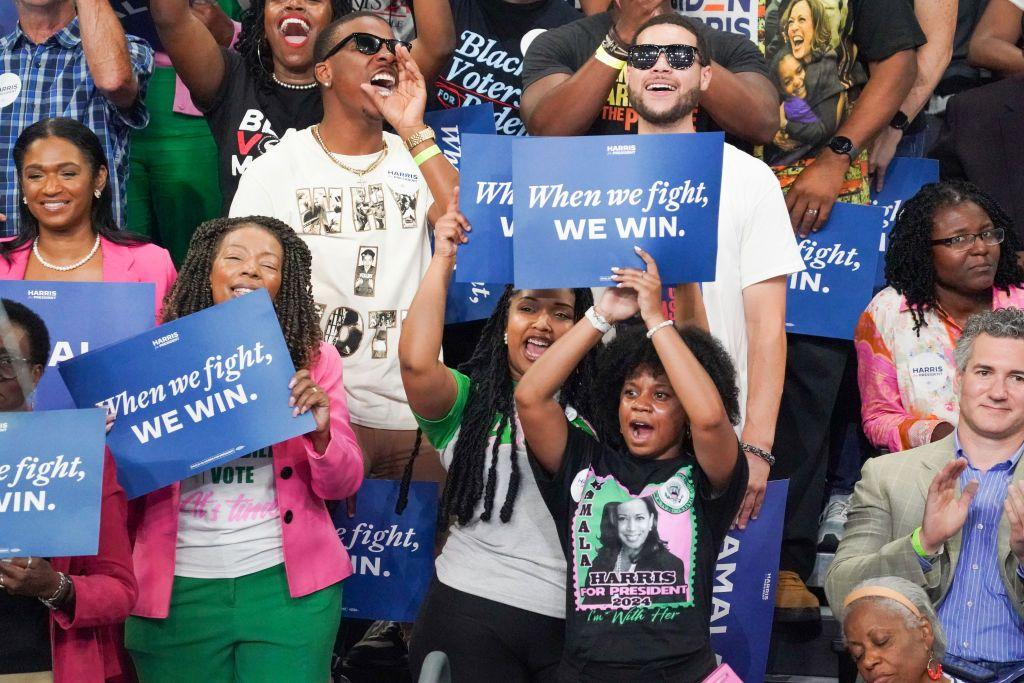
51	482
743	599
827	299
485	197
466	300
392	555
193	393
904	177
582	204
80	316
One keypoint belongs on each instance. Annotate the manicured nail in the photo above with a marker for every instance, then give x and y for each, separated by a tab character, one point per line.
637	248
616	269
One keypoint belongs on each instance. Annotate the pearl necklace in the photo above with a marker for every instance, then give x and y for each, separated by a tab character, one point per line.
64	269
293	86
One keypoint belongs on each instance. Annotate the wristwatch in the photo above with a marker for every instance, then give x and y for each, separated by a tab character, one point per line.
900	121
843	145
422	136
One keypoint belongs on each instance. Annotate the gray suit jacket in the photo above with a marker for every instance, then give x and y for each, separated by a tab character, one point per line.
887	505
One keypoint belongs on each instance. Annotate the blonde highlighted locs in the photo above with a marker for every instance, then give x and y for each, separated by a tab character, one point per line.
294	304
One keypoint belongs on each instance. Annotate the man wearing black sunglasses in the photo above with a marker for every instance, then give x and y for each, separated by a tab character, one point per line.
667	76
573	78
358	186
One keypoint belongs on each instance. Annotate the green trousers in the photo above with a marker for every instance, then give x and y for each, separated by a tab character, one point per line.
247	630
173	185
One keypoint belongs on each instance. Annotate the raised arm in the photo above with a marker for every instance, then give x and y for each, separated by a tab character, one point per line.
714	441
565	103
435	36
106	53
429	385
192	48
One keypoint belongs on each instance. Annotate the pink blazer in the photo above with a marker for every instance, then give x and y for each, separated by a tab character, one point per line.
314	557
141	263
87	645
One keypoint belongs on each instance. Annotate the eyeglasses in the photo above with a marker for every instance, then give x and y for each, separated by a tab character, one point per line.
990	237
645	56
7	370
368	44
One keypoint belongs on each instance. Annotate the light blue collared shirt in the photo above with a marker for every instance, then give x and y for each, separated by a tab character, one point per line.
977	616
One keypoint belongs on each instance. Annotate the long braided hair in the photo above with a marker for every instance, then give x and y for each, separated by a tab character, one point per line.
909	267
294	302
252	40
490	409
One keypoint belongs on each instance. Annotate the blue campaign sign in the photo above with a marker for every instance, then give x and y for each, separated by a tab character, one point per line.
904	177
80	316
451	124
584	202
192	394
827	299
51	482
466	300
485	197
392	555
743	596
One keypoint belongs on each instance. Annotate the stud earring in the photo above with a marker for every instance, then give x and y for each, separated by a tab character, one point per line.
24	200
506	339
97	193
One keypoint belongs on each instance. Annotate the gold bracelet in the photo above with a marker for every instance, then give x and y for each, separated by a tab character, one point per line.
602	56
422	136
428	153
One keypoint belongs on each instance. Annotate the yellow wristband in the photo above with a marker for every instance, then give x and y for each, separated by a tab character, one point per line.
602	56
428	153
915	540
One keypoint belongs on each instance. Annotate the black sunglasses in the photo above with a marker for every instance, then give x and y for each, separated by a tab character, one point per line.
367	44
646	56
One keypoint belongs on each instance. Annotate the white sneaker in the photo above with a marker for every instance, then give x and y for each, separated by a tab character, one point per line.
832	522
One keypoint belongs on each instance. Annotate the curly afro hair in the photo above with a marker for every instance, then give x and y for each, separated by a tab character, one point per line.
909	267
294	302
632	351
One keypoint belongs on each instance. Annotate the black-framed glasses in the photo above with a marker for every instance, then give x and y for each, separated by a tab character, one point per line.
368	44
990	237
645	56
7	362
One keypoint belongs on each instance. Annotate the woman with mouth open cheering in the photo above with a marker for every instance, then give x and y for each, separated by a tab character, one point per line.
668	404
239	578
253	96
499	566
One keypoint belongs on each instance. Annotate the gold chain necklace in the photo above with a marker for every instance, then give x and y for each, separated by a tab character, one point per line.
358	172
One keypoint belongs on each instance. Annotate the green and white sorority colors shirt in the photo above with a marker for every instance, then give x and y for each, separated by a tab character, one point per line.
520	563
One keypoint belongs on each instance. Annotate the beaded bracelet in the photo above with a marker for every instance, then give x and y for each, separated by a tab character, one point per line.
759	452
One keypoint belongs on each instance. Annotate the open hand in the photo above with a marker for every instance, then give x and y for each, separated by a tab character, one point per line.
1013	508
450	230
944	513
403	107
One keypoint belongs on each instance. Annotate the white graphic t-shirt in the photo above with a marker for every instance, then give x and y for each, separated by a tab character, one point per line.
368	235
228	520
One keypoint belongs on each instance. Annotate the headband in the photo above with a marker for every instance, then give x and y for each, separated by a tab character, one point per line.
881	592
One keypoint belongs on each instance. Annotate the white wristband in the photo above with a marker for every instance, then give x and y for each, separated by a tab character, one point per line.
663	323
597	320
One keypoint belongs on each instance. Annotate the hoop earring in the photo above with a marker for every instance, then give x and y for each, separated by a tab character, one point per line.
259	56
936	673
